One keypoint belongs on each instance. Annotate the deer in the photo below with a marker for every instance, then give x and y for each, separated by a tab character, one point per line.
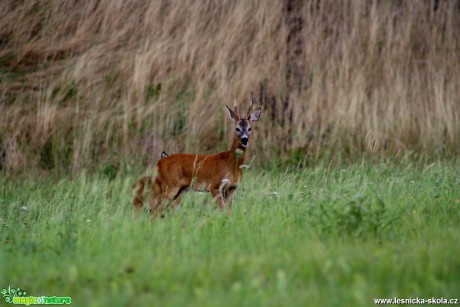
219	174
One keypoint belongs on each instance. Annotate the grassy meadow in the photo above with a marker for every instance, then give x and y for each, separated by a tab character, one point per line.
321	236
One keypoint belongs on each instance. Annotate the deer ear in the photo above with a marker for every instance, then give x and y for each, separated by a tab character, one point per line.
255	115
232	114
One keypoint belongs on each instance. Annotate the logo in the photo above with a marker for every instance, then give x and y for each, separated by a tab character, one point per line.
18	296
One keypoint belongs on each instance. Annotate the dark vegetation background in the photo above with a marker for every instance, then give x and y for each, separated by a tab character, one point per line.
107	85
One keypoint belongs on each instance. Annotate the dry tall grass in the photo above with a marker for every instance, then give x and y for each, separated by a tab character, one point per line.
94	83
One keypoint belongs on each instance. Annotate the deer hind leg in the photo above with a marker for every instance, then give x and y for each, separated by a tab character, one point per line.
156	201
165	193
140	189
176	199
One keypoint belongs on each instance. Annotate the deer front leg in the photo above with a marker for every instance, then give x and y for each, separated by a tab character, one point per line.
216	193
223	195
228	195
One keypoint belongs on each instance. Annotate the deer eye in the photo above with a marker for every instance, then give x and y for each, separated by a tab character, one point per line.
238	129
249	129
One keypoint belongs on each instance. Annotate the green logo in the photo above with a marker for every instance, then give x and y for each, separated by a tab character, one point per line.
18	296
10	293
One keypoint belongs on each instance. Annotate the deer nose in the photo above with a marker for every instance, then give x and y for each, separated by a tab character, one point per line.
244	140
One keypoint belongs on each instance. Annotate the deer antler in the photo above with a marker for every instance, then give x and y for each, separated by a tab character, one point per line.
250	107
235	107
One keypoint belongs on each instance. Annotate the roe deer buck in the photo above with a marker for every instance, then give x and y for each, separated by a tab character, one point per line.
218	173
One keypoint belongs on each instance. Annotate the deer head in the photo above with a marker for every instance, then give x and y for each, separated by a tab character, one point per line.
243	124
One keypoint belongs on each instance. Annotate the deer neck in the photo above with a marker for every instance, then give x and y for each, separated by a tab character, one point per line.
237	152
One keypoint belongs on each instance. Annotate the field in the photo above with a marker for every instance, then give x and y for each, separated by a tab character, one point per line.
318	236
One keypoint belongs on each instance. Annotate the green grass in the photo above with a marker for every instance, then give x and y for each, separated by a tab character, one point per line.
321	236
